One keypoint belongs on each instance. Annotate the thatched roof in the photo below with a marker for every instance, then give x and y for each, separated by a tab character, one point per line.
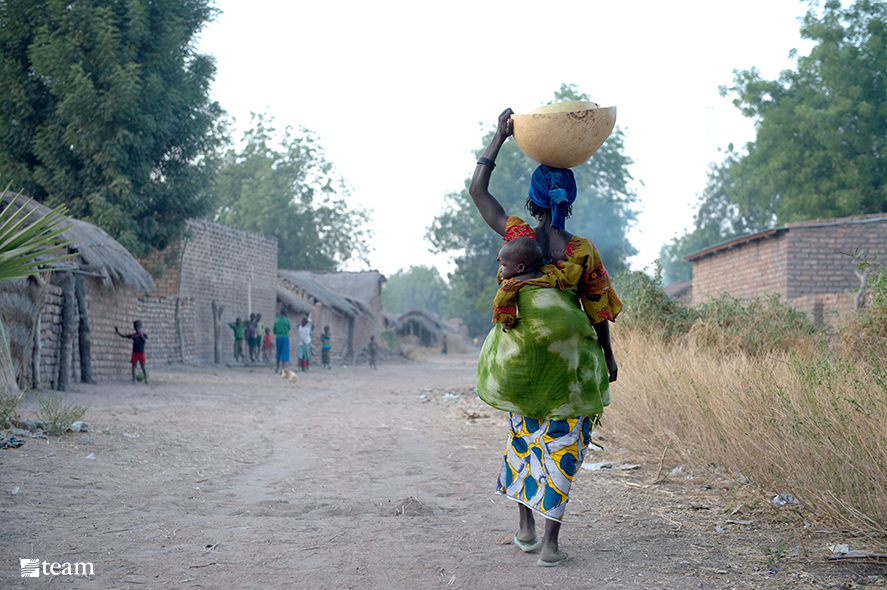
427	320
99	253
392	320
292	301
307	281
358	286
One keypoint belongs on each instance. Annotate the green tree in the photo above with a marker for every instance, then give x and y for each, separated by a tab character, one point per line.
603	212
282	185
415	287
821	144
106	109
717	219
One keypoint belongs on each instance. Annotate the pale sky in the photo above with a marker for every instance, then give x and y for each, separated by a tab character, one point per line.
401	92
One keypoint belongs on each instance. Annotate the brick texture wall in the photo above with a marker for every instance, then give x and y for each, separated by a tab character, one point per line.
817	259
105	309
216	262
809	265
747	271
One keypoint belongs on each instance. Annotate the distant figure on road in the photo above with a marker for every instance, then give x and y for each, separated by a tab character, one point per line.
252	337
305	342
282	331
239	334
371	350
325	347
267	345
138	348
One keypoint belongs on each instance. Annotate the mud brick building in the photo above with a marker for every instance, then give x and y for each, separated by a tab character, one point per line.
218	263
810	264
60	325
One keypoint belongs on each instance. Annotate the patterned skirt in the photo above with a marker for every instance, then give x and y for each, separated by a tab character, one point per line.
540	461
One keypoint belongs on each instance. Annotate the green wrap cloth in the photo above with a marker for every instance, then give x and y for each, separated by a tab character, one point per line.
550	364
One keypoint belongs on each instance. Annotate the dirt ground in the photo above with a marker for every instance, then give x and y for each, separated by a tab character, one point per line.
231	477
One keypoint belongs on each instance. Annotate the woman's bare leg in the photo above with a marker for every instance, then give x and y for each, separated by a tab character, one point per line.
527	531
549	543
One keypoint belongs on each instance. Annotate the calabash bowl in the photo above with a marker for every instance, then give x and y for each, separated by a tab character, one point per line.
563	134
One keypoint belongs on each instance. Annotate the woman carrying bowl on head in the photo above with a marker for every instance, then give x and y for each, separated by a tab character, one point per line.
552	370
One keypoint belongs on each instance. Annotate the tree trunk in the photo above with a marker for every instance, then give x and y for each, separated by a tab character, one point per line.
8	384
179	330
66	342
84	339
35	356
217	333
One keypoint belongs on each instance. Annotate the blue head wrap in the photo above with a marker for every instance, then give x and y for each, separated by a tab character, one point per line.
555	189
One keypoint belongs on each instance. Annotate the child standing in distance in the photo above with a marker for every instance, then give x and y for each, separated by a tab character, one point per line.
305	343
260	334
266	346
371	349
282	332
239	334
138	348
325	347
252	337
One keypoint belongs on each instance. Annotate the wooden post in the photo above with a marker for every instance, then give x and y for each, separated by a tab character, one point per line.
35	355
179	331
66	342
84	338
217	333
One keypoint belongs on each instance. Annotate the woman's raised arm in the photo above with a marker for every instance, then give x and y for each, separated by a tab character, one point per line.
490	209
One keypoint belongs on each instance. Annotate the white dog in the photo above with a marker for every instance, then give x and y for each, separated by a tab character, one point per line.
287	374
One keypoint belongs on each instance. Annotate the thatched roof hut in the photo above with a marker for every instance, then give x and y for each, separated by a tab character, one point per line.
295	303
306	281
46	320
425	325
350	303
99	254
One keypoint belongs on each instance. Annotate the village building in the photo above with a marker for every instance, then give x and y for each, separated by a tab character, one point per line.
60	325
423	328
810	264
350	303
215	266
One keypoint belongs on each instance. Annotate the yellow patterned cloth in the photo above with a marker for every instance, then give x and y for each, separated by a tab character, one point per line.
540	461
598	298
561	276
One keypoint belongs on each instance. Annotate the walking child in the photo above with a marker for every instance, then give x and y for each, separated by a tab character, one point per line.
305	343
266	346
138	348
239	334
371	349
325	347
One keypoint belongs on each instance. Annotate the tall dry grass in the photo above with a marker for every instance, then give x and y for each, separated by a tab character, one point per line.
803	419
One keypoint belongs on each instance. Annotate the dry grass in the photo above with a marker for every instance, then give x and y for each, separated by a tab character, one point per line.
810	425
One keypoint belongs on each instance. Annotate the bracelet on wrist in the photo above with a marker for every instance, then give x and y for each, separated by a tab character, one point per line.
487	162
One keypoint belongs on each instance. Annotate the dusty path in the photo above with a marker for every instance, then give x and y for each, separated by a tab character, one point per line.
233	478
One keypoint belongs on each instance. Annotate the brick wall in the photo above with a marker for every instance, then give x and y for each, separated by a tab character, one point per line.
753	269
216	262
816	255
105	309
158	315
808	264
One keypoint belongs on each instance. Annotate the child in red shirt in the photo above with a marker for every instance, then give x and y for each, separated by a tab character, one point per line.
138	348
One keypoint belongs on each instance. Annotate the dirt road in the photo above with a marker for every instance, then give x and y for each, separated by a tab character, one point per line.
221	478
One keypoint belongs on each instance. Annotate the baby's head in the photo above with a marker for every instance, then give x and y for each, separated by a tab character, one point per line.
519	256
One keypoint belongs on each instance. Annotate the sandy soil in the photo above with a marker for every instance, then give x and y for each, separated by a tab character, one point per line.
230	477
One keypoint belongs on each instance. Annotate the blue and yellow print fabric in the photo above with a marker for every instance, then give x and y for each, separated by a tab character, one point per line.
540	461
